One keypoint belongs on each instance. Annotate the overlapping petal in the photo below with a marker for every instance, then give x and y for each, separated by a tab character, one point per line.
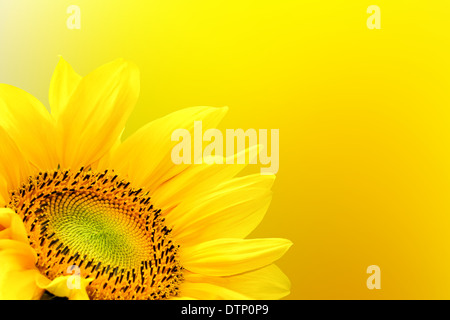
268	283
231	210
29	125
63	84
11	226
145	157
18	274
14	167
209	209
208	291
63	286
95	114
195	180
226	257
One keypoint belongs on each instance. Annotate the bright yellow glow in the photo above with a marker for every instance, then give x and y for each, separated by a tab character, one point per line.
364	116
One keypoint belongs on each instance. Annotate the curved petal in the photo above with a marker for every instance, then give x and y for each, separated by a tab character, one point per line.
226	257
232	210
18	274
30	126
11	226
196	179
96	113
207	291
64	82
64	287
268	283
19	284
21	252
14	168
145	157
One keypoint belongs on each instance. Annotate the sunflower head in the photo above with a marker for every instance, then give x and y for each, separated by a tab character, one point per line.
133	225
103	227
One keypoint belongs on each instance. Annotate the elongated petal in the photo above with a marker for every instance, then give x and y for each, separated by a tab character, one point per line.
268	283
14	168
207	291
145	157
232	210
64	82
96	113
225	257
194	180
29	124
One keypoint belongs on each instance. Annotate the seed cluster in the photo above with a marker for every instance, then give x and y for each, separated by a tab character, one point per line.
98	223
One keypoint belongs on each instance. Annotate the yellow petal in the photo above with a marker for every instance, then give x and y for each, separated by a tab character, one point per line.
29	124
64	82
20	285
182	298
194	180
96	113
4	194
63	286
145	157
207	291
268	283
18	274
11	226
225	257
14	168
16	253
232	210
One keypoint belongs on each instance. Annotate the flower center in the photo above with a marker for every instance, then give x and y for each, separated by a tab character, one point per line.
96	223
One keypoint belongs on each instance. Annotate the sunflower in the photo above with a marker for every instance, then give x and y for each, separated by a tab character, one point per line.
78	203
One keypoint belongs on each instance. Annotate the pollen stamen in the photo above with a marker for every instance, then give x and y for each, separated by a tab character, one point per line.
99	223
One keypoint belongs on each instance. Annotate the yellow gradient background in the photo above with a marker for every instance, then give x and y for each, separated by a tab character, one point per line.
364	116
